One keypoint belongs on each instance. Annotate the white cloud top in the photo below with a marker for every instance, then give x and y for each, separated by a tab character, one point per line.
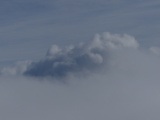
59	63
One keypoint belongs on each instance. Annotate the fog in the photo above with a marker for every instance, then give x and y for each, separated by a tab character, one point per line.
127	87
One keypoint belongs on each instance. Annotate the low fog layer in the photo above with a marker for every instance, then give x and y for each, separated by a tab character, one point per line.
126	88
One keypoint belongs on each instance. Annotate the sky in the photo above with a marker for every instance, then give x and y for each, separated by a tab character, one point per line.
79	59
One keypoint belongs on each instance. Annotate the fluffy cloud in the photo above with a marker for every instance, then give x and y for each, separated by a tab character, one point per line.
127	87
82	58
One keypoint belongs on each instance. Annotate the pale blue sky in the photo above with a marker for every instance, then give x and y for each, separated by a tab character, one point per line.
28	28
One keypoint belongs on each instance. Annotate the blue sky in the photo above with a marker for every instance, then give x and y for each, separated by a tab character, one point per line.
29	28
79	59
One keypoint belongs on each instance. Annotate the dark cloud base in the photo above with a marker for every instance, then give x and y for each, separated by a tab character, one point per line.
83	58
64	63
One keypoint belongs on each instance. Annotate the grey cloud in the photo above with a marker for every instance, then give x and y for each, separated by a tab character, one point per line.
130	90
17	69
83	58
62	63
155	50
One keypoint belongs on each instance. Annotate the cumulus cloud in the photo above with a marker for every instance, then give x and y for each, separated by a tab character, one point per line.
128	88
80	59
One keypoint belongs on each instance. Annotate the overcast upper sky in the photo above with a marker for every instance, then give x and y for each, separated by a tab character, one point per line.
79	60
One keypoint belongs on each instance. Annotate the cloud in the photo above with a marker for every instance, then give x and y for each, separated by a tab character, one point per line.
155	50
22	28
129	89
127	86
17	69
82	58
